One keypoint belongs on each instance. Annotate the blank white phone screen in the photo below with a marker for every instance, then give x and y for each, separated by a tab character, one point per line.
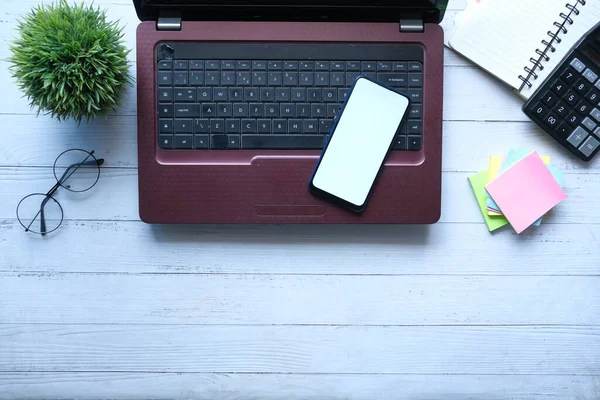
360	142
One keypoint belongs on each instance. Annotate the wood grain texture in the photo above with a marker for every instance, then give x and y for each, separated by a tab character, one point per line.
186	386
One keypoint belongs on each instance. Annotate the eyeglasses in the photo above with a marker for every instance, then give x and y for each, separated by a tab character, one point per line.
79	171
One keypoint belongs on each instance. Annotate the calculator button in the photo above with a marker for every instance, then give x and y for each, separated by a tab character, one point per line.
582	86
595	113
551	120
569	75
589	146
549	99
561	109
593	96
590	75
573	119
583	107
577	137
578	65
564	129
540	110
588	123
558	87
571	98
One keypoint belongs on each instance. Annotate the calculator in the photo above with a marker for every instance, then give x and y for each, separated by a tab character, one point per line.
567	105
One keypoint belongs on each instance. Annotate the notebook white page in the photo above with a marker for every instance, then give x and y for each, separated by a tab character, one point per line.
502	35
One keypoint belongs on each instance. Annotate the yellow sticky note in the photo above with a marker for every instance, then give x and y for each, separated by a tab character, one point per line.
494	168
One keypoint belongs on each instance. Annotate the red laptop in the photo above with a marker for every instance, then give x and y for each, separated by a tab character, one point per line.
236	97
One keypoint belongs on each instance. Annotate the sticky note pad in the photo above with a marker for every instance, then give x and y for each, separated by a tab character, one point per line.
478	183
525	192
495	164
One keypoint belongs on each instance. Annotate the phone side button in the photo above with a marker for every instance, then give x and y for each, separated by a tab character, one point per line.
400	143
414	143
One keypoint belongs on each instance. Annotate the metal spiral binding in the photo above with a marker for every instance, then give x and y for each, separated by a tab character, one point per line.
550	46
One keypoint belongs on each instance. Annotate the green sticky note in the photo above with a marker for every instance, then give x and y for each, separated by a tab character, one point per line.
478	183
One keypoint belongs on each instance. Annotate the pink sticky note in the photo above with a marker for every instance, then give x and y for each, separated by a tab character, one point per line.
525	192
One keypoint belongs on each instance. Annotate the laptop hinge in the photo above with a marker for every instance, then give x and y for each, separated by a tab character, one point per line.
165	23
411	25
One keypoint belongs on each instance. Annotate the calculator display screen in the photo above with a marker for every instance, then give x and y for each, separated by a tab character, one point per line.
591	46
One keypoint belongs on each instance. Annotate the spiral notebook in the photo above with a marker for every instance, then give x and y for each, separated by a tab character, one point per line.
521	41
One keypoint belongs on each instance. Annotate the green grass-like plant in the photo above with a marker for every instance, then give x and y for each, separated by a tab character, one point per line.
70	61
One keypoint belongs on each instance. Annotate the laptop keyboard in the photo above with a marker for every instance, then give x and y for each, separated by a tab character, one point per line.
237	104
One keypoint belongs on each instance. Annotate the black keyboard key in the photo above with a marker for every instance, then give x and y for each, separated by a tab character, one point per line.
416	95
217	125
219	94
298	94
416	111
540	110
549	99
259	65
329	95
384	66
228	78
558	87
318	110
274	65
183	142
187	110
337	66
227	65
282	94
180	78
415	80
196	78
583	107
183	125
399	143
275	78
165	78
561	109
233	142
415	67
259	78
240	109
201	125
321	66
290	65
307	78
165	142
165	94
249	126
236	94
290	79
184	95
305	142
271	110
180	64
287	110
350	77
321	79
295	126
414	127
307	65
212	78
337	78
368	66
342	93
280	126
332	110
263	125
209	109
563	129
224	110
267	94
551	120
325	125
400	66
165	65
593	96
243	78
165	110
232	126
394	79
573	119
310	126
204	94
583	85
219	142
352	66
569	76
313	94
201	142
256	110
571	98
212	65
414	143
251	94
302	110
196	64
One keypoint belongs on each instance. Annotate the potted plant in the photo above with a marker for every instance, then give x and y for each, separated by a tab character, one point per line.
70	61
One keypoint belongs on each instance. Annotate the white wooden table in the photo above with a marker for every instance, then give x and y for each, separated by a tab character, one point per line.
109	307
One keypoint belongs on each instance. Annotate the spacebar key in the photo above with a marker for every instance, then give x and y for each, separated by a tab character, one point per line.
300	142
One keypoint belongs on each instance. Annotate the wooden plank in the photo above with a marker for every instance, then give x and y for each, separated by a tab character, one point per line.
115	139
297	300
110	385
115	196
445	249
538	350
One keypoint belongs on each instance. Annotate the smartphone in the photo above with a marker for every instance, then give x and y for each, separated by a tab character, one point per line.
359	142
